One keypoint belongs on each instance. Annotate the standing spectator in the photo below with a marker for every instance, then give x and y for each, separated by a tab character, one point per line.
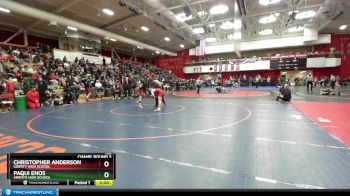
309	81
126	86
268	80
10	88
99	88
42	87
333	80
198	84
257	79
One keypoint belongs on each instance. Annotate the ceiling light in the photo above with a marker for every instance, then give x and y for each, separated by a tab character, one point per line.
295	29
167	39
218	9
113	40
227	25
268	19
266	32
343	27
210	39
198	30
157	52
182	17
235	36
182	46
144	28
72	28
211	25
140	47
202	13
4	10
268	2
304	15
108	12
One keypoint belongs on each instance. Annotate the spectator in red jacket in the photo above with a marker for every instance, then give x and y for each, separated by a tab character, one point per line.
10	88
33	98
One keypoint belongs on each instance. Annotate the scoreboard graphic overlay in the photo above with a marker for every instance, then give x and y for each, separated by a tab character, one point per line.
61	169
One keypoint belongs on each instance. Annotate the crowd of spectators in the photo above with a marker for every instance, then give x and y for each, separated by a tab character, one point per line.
58	81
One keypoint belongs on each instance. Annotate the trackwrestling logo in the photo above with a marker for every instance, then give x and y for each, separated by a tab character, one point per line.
14	192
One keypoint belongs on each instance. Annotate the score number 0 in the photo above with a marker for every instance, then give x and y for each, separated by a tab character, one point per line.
106	164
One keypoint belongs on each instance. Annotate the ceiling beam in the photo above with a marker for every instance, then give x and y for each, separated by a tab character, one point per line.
200	24
64	6
78	13
181	6
10	25
13	36
281	11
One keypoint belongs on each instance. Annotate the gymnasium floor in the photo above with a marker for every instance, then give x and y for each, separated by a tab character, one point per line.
241	139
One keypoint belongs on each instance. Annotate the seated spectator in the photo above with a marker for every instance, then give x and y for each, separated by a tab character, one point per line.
285	93
47	98
69	97
33	98
53	79
57	99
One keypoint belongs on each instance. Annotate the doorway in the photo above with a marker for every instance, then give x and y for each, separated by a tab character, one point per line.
294	78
